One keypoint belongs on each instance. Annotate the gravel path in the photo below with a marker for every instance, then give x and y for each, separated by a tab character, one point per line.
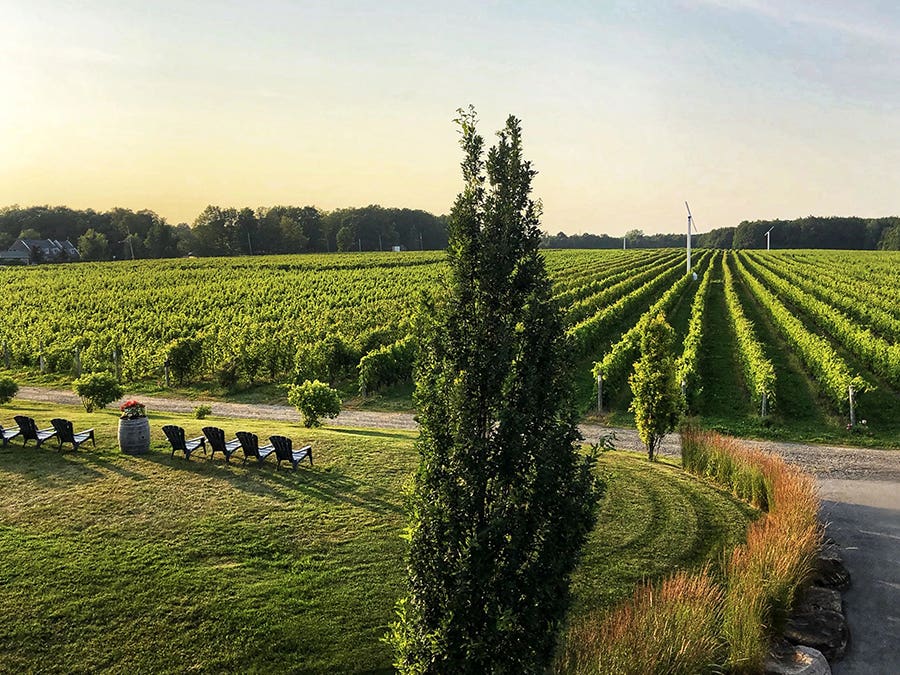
824	461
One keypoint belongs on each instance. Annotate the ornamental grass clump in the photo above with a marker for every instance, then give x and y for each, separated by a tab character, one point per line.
672	628
702	622
764	575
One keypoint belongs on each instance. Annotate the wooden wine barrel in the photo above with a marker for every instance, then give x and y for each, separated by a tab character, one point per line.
134	435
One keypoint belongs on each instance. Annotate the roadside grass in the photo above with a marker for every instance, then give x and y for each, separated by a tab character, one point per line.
110	562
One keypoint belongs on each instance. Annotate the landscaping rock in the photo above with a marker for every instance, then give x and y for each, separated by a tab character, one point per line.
830	571
816	598
823	629
797	661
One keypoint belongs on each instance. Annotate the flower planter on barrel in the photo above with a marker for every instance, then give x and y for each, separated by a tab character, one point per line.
134	429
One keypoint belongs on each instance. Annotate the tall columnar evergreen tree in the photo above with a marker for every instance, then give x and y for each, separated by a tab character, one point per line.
657	402
502	500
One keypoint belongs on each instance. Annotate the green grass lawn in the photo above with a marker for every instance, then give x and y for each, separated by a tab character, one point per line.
158	564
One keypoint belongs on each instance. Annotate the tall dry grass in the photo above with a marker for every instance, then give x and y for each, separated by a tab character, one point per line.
680	618
692	623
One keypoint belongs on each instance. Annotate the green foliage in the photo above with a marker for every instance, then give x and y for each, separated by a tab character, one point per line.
202	411
758	370
688	364
314	399
890	239
825	364
227	374
185	356
882	356
345	561
502	500
618	360
732	469
97	390
329	359
590	333
8	389
387	365
93	246
345	239
657	402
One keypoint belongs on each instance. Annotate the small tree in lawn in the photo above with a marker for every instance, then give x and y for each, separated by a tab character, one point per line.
314	399
502	500
97	390
657	402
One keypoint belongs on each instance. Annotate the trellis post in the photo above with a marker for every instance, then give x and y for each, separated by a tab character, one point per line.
41	361
77	361
852	406
765	404
599	392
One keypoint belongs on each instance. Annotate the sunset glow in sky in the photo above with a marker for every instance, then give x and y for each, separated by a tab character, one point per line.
748	109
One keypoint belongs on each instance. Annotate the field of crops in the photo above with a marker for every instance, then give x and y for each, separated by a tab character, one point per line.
788	333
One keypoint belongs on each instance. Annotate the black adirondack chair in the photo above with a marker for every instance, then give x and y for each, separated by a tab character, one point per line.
250	446
217	443
285	453
30	432
66	434
175	434
8	433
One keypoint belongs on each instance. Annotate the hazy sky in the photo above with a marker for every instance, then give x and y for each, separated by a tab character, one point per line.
746	108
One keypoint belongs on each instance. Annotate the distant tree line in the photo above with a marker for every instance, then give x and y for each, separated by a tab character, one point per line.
632	239
810	232
818	232
123	233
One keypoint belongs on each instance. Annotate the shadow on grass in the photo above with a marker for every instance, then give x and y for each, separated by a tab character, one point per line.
46	466
104	462
401	434
326	485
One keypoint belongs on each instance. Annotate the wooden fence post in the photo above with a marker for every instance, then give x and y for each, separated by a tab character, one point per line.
765	404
